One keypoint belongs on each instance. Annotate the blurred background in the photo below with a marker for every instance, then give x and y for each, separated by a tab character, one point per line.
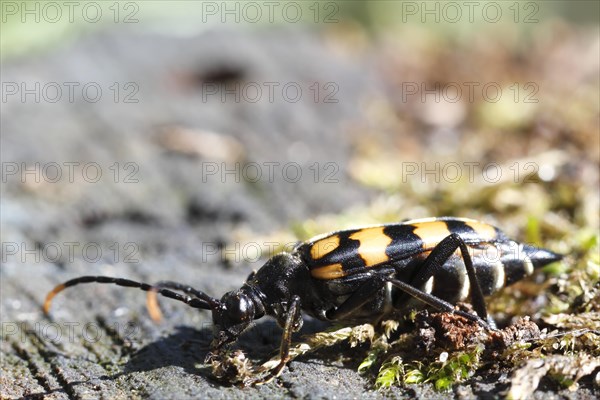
190	140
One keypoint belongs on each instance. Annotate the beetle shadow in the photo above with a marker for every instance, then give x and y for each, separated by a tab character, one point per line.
188	347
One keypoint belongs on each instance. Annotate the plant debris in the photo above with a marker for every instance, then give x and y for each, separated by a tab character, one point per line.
567	370
235	368
444	349
231	367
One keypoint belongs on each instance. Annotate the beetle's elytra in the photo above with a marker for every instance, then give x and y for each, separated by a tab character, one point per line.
363	275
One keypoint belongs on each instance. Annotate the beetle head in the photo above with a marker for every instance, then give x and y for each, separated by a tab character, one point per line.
231	317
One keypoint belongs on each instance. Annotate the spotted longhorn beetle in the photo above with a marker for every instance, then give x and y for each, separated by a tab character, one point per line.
362	275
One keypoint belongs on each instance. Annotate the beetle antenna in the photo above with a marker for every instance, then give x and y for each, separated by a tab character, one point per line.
152	301
205	302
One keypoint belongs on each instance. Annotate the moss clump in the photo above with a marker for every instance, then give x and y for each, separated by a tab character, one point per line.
443	373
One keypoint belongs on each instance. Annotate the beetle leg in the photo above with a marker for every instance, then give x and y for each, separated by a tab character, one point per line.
366	291
436	260
292	320
436	302
358	298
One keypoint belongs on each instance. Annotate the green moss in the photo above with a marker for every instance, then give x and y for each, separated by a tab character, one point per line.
391	373
444	372
369	361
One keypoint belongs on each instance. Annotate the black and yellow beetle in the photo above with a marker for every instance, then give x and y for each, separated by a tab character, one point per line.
363	275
